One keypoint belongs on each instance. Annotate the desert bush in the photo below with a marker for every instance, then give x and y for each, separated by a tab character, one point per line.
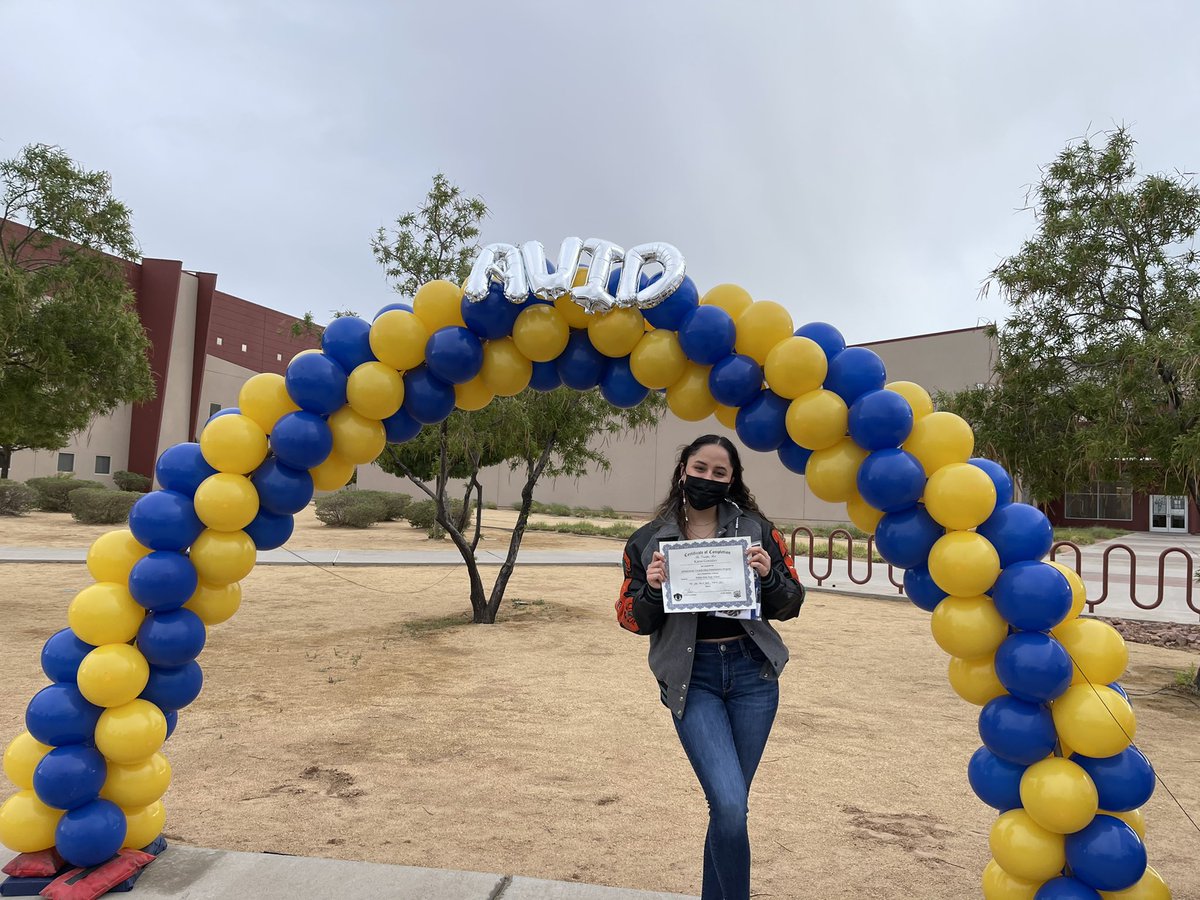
131	481
16	498
394	504
421	514
52	491
350	509
100	506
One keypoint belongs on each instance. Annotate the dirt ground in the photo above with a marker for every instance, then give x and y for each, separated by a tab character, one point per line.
347	714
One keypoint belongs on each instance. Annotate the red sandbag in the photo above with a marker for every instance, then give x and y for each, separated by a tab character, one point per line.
88	884
42	864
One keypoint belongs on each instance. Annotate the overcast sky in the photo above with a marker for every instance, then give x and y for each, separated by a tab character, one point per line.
861	163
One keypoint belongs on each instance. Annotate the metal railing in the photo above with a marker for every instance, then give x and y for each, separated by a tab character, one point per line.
829	558
1189	577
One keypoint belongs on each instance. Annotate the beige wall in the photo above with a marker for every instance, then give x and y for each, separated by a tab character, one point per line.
106	436
177	392
221	383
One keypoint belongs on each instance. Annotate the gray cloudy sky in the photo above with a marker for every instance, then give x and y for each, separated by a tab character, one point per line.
860	162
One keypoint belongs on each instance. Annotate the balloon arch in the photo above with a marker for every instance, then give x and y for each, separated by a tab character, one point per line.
1057	759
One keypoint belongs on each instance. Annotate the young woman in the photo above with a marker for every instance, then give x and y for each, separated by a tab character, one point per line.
717	675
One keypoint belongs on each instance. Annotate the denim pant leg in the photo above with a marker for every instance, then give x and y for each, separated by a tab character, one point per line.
730	710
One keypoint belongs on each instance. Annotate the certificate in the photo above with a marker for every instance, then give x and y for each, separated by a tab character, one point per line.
708	575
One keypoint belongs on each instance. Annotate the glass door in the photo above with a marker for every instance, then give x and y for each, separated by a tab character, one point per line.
1168	513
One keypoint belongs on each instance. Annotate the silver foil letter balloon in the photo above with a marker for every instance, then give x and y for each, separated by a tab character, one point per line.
499	262
593	295
541	281
636	258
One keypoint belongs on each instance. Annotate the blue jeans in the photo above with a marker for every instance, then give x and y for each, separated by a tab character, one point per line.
724	729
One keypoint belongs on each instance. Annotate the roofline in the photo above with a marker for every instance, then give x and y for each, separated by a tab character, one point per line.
913	337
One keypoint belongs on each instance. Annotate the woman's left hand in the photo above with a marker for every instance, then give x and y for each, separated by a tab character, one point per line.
759	560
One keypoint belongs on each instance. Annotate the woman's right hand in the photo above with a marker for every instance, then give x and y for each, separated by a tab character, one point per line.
656	572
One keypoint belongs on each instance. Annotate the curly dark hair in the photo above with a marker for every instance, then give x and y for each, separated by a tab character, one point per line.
671	508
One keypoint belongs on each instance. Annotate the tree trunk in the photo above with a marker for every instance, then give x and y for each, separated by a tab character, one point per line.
478	516
5	459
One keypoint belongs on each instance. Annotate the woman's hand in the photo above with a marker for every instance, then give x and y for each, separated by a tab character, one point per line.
759	560
656	572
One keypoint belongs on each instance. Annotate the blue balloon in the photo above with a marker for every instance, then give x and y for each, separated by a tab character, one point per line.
406	307
545	376
90	834
921	589
580	365
995	781
854	372
793	456
1019	532
70	776
454	354
165	520
672	311
163	579
707	335
281	489
269	530
61	655
1107	854
493	316
1033	666
172	638
400	427
317	383
904	538
1017	731
171	688
891	479
182	468
58	714
1116	686
302	440
619	387
1064	888
762	423
825	336
880	419
347	339
227	411
427	399
172	718
1032	596
1000	478
1124	781
735	380
614	280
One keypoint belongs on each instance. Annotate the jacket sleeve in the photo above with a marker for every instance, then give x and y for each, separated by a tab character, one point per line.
639	606
782	592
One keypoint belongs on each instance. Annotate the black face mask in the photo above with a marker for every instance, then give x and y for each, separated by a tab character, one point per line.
704	493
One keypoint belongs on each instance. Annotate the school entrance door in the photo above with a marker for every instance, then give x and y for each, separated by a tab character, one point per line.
1168	513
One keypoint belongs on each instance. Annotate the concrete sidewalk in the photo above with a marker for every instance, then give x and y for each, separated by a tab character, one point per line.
192	873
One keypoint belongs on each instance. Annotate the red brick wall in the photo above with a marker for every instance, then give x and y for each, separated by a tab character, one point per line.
265	332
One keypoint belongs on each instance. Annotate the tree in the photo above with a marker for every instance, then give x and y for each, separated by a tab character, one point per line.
1097	375
72	345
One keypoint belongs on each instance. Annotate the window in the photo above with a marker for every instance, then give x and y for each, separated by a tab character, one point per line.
220	341
213	409
1100	500
66	462
278	357
243	348
103	464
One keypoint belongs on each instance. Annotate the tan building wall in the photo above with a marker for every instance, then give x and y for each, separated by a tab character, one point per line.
105	436
177	391
221	383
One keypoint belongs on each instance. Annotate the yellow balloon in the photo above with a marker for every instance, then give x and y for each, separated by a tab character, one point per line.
658	361
105	613
21	757
356	438
438	304
1094	719
541	333
817	420
689	397
964	563
398	338
1149	887
233	443
960	496
795	366
112	675
731	298
1024	849
576	316
999	885
375	390
918	398
1059	795
137	784
144	825
975	679
863	514
939	439
112	555
215	603
473	394
760	328
226	502
131	733
332	474
832	472
506	370
223	557
1132	817
727	416
1096	648
302	352
968	627
264	399
1078	594
27	824
616	332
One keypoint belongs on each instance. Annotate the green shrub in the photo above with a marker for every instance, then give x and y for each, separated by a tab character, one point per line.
558	509
421	514
489	504
394	504
351	509
52	492
99	506
16	498
131	481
